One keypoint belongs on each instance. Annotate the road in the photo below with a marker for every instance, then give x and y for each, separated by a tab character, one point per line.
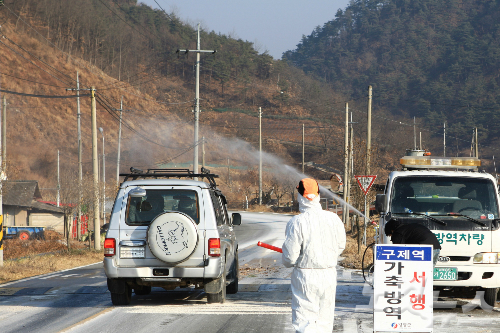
77	300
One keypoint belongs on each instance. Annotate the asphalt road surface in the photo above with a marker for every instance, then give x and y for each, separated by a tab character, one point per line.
77	300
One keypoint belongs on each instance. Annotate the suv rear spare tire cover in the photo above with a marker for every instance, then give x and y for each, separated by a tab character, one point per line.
172	237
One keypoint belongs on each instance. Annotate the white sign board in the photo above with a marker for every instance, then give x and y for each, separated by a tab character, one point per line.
403	280
365	182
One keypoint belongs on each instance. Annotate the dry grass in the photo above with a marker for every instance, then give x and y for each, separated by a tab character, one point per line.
352	257
42	264
24	259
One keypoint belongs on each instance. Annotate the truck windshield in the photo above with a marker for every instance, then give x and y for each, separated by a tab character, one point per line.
473	197
142	210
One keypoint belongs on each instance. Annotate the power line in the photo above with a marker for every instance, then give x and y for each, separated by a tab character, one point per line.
40	96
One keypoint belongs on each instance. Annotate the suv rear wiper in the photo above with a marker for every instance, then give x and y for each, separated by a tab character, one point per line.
428	216
467	217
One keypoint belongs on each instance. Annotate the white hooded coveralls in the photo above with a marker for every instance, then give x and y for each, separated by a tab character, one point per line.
314	239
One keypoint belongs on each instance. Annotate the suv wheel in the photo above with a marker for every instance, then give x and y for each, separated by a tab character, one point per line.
122	298
232	287
220	297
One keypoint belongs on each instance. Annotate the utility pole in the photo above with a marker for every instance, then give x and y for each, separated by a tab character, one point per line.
444	139
350	171
95	170
369	131
80	173
103	179
2	178
203	152
476	143
303	143
414	135
58	183
346	163
260	156
4	136
119	141
197	97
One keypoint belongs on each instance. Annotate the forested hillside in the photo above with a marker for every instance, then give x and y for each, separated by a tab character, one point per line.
128	51
437	60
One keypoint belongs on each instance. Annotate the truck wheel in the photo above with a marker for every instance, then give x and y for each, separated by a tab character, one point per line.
144	290
490	296
122	298
220	297
232	287
23	235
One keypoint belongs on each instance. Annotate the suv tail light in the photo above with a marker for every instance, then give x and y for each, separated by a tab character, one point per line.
214	247
109	247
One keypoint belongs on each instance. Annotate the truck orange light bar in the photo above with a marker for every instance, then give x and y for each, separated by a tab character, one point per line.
434	162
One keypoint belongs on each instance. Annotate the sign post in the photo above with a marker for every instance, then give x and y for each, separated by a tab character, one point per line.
403	282
365	183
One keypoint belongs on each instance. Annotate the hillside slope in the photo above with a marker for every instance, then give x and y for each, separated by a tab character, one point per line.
434	60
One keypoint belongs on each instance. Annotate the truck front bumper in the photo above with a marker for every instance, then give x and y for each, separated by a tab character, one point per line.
473	275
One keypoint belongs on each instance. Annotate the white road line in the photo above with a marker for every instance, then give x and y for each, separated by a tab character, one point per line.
43	275
215	309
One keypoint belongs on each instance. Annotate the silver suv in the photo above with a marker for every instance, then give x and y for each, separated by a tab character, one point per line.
168	230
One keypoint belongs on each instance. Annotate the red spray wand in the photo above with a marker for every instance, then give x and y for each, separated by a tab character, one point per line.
270	247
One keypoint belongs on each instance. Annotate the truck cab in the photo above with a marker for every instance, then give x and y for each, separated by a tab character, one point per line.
460	206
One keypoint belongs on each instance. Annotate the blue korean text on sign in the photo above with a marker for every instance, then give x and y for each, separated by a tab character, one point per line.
416	253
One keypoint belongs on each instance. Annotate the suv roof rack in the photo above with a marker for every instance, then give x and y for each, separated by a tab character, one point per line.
170	173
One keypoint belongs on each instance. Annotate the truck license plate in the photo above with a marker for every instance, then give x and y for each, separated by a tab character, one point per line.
445	273
132	252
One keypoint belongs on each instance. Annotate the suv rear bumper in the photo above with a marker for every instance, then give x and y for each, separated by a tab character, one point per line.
212	270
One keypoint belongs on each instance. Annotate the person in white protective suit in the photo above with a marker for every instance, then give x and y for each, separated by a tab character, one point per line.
314	239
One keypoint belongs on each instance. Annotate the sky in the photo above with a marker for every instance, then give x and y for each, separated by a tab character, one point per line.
275	26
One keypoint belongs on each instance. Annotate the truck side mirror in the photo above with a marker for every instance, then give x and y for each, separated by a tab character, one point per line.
380	203
236	219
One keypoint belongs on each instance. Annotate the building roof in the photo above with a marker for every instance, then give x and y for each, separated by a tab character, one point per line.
25	193
20	192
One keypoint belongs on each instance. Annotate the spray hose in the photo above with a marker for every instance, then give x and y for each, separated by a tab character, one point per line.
270	247
369	267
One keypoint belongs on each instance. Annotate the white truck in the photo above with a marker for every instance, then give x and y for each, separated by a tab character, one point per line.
459	205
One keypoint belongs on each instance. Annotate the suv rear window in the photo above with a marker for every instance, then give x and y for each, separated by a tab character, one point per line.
141	211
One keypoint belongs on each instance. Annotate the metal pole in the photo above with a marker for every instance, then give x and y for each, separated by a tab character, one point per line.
303	141
260	156
203	152
366	221
95	169
346	162
444	140
414	134
103	180
58	183
369	132
477	145
119	142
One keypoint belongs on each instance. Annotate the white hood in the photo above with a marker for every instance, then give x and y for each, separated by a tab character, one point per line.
306	204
